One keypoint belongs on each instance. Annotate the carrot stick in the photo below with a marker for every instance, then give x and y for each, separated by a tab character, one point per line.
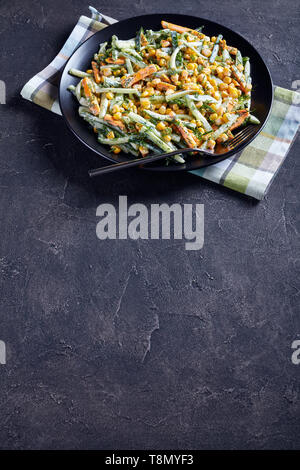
239	78
190	138
114	122
180	29
244	114
163	86
96	72
232	50
140	75
92	100
165	78
144	41
119	61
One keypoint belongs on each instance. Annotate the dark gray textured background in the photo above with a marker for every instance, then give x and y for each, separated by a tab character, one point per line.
79	316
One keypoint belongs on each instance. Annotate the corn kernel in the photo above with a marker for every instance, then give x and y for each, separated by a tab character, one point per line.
162	109
110	135
213	116
145	104
222	138
226	72
152	52
240	67
156	81
150	91
226	117
174	78
144	151
223	86
201	61
211	144
227	80
145	93
167	138
117	116
162	62
206	52
213	39
89	71
160	126
116	149
200	129
169	92
224	94
184	75
115	109
109	96
192	66
219	70
202	78
232	90
216	95
107	72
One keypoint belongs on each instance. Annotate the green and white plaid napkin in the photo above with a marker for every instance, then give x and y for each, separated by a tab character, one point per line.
250	172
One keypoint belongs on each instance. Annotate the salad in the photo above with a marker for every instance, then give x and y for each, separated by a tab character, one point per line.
165	90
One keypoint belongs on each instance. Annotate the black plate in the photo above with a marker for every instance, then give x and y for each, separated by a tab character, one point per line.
262	93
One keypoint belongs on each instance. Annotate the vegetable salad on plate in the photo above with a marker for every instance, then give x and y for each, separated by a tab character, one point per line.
165	90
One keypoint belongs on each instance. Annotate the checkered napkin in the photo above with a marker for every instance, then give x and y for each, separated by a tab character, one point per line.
249	172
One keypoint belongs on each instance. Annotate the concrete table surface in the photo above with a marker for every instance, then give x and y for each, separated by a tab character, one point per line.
141	344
